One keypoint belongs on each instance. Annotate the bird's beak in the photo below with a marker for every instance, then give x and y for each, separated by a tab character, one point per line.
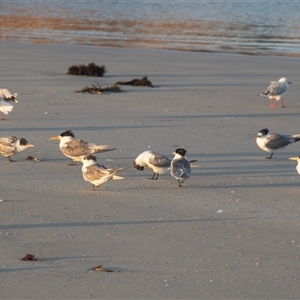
293	158
30	146
174	153
55	138
289	82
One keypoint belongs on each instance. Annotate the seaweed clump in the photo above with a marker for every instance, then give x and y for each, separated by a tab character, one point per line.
97	89
29	257
90	70
137	82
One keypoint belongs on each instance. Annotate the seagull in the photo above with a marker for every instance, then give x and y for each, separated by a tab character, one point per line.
97	174
154	161
297	158
6	98
12	145
271	142
180	166
75	148
276	90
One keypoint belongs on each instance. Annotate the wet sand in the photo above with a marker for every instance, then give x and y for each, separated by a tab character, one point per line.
232	231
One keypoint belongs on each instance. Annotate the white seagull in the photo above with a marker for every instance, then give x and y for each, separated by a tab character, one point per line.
76	149
180	166
154	161
276	90
270	142
297	159
11	145
97	174
6	99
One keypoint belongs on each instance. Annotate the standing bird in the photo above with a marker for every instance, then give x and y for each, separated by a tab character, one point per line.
276	90
97	174
297	159
180	166
12	145
77	149
6	98
156	162
271	142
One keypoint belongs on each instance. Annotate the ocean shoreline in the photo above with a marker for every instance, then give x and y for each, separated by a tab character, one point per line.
134	46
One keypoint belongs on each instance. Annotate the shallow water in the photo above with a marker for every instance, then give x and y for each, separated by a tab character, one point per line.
254	27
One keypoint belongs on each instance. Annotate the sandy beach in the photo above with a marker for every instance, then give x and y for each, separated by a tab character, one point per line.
232	231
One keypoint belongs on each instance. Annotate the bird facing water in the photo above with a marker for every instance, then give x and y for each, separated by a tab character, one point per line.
276	90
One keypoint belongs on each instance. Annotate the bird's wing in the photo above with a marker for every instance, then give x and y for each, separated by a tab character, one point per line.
277	88
95	172
7	144
5	106
181	168
6	93
276	141
159	160
76	148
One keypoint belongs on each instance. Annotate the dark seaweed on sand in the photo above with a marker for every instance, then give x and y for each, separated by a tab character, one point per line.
90	70
97	89
137	82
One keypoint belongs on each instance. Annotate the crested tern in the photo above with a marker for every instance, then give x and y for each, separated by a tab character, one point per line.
180	166
6	99
11	145
297	159
271	142
97	174
154	161
276	90
77	149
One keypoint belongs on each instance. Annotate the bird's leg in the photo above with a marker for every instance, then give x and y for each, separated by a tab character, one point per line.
93	189
179	183
157	174
272	103
153	176
269	157
9	158
281	102
73	163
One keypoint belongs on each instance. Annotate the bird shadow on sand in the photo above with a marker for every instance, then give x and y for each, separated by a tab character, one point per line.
233	115
118	223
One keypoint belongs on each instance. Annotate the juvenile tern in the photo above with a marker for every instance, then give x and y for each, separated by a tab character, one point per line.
271	142
97	174
156	162
11	145
276	90
180	166
297	159
75	148
6	99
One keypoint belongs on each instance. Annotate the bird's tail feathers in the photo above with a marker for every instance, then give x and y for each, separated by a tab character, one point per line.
114	171
116	177
297	137
103	148
265	94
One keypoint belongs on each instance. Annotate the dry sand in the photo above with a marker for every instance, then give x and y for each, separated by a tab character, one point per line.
231	232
